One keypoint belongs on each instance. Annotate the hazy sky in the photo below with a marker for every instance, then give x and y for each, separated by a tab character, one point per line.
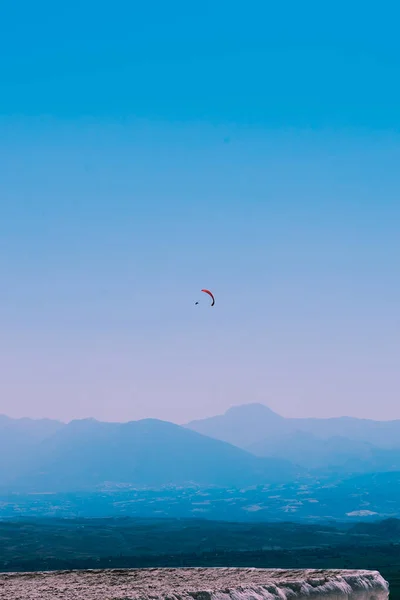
148	150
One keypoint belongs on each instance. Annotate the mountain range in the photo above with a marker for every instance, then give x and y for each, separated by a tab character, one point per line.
248	445
250	424
85	454
342	445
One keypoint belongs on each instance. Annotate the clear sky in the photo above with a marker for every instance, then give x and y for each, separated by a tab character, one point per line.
148	150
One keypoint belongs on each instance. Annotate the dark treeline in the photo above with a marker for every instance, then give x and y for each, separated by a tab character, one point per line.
65	544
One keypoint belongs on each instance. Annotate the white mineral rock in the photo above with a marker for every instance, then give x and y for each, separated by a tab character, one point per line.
195	584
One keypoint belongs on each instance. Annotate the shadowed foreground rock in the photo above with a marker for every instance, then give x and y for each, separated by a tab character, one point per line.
194	584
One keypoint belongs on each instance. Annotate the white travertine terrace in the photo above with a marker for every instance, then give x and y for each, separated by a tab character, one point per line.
195	584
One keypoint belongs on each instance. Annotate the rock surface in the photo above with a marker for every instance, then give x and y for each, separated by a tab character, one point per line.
194	584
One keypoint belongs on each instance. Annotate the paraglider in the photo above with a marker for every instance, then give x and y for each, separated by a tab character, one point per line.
211	296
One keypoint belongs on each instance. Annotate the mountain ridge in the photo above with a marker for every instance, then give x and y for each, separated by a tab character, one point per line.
85	454
334	445
248	445
248	424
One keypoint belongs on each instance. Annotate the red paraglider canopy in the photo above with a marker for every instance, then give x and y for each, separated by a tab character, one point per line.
210	294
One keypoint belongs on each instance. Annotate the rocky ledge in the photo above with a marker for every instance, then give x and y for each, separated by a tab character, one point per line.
194	584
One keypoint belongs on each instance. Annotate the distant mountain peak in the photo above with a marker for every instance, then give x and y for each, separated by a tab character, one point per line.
338	440
253	409
239	425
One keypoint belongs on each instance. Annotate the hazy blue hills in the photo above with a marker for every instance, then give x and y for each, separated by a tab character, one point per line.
87	453
18	437
249	445
250	424
344	445
335	454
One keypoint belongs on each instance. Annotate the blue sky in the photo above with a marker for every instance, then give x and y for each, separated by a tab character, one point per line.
148	151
